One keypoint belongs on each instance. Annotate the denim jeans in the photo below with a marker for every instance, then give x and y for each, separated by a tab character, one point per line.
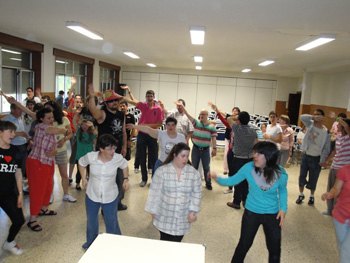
250	225
144	141
156	165
203	155
342	232
309	164
110	213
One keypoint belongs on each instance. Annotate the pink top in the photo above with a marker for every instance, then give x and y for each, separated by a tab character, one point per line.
43	143
287	138
341	211
150	115
342	152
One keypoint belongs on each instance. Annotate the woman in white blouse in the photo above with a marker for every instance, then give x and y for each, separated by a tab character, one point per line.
101	190
175	195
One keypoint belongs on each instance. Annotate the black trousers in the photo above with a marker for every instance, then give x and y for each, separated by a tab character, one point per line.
144	141
8	203
241	189
167	237
250	225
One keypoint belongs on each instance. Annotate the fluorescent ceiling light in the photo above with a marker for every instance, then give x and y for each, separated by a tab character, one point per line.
151	65
198	67
61	61
83	29
17	59
266	62
246	70
316	41
130	54
197	35
198	59
11	51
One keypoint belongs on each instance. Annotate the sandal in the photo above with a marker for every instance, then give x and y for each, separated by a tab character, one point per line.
47	212
35	228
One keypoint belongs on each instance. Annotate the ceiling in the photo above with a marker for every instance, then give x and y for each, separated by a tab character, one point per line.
239	34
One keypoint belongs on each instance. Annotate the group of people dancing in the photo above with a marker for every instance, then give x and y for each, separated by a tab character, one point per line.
101	145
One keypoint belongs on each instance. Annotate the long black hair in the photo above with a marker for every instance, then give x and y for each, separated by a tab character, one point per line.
57	111
177	148
271	152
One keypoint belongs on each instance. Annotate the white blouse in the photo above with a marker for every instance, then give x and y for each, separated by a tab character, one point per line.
102	186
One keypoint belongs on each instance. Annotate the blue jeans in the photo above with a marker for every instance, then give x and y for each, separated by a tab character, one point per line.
156	165
110	213
250	225
203	155
309	164
342	232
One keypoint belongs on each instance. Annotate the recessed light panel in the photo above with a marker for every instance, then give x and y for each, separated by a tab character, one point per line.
266	63
130	54
197	35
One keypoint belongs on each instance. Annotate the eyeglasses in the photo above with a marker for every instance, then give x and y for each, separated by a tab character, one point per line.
109	101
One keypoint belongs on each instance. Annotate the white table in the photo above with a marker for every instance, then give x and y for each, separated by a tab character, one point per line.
115	248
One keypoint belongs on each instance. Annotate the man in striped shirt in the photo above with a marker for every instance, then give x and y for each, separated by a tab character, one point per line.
341	155
204	133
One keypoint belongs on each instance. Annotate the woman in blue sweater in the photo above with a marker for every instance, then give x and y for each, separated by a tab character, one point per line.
266	202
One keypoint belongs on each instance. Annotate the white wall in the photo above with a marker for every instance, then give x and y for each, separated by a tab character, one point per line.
252	95
331	90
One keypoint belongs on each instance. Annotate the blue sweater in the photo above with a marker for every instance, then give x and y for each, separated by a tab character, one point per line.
259	201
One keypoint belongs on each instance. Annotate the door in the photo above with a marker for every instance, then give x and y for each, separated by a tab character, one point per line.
293	107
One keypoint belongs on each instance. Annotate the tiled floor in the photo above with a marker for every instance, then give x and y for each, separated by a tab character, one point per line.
307	236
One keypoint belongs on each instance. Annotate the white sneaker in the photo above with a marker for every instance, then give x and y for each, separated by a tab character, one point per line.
51	198
229	191
13	247
69	198
136	170
149	171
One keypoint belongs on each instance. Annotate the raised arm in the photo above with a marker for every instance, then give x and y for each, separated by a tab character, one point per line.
163	108
179	103
146	129
132	101
12	100
98	114
70	92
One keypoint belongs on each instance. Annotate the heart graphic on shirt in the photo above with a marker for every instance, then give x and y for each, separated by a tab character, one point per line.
8	158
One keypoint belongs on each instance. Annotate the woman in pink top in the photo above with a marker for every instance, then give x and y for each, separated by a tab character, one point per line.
287	140
341	212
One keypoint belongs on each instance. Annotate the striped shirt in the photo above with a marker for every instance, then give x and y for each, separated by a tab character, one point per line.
43	143
202	134
170	199
342	149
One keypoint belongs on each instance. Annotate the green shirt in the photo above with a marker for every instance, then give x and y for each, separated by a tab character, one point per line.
86	144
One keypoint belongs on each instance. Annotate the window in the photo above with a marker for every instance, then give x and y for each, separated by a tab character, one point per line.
65	71
107	79
15	75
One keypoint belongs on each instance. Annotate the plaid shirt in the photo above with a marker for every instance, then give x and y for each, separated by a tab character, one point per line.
171	200
43	143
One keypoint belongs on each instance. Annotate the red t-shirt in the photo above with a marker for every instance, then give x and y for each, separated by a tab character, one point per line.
341	210
150	115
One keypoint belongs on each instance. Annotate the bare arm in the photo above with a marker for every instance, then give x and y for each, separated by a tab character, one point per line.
55	130
163	108
335	191
179	103
231	120
18	176
133	101
213	152
143	128
99	115
70	92
12	100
